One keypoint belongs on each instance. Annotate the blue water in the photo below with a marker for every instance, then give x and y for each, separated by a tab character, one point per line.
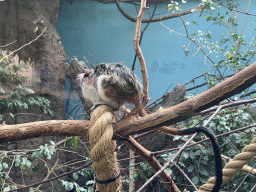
101	33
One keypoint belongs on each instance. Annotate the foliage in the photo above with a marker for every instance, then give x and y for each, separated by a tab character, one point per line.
24	162
233	54
13	93
47	150
85	173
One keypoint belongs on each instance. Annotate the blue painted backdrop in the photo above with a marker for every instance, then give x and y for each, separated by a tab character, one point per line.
101	33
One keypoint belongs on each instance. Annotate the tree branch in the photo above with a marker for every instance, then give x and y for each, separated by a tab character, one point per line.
133	19
137	48
177	113
42	129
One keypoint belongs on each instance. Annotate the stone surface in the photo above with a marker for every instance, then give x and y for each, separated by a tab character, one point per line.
24	21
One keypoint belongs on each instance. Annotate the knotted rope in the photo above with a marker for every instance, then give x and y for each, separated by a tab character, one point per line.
233	166
102	153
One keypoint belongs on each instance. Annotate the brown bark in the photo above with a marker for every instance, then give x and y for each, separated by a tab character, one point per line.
182	111
42	129
148	156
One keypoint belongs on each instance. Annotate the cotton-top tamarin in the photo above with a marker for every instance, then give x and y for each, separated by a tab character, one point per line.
110	84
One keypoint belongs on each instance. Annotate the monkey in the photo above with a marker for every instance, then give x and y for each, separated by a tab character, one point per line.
115	84
110	84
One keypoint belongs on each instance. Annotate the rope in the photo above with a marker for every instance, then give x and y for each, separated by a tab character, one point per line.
233	166
102	153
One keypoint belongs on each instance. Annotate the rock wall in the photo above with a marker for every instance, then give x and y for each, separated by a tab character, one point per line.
24	20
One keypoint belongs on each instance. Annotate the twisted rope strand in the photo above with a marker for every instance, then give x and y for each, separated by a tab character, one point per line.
233	166
102	153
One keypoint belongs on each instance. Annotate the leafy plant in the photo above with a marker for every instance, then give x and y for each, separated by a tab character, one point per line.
13	92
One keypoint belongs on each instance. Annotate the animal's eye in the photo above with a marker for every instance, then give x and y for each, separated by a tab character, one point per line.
88	72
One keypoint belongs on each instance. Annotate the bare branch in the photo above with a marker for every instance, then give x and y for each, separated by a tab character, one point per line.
233	9
139	52
23	45
133	19
8	44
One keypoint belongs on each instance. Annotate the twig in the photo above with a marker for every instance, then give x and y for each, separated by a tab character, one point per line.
212	116
141	35
234	103
195	44
167	164
8	44
76	153
155	101
178	152
247	94
133	19
48	174
196	143
54	178
233	9
193	79
245	178
185	175
26	151
201	85
238	46
5	57
254	187
250	58
7	176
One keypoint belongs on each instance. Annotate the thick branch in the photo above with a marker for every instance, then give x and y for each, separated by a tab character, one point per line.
182	111
187	109
43	129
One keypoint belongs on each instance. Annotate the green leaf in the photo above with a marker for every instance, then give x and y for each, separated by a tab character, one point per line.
191	168
74	141
198	152
17	161
175	138
90	182
208	35
203	172
185	155
195	180
75	175
194	22
36	168
2	91
5	165
169	171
